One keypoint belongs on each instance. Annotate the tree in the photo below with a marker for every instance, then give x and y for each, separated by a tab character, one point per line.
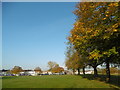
74	60
96	33
105	31
57	69
54	67
70	58
38	70
79	62
16	70
52	64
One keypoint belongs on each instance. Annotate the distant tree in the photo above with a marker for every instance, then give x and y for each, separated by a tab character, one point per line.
16	70
113	70
57	69
69	62
51	65
74	60
38	70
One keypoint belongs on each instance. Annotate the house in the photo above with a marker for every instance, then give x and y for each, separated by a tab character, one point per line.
4	72
89	72
28	73
86	72
50	73
32	73
68	72
45	73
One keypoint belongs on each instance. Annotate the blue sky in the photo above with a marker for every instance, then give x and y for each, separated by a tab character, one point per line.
35	33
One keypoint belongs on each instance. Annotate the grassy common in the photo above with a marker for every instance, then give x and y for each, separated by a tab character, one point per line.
53	81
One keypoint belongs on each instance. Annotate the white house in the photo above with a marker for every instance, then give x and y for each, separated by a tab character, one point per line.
28	72
45	72
49	72
5	73
86	72
33	73
89	72
69	72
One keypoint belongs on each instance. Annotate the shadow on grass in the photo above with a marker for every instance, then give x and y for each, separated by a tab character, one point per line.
115	79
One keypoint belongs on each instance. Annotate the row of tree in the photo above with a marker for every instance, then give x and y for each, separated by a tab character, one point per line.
17	70
95	38
53	67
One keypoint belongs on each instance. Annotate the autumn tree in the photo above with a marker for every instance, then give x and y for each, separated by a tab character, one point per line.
79	62
57	69
74	60
104	33
16	70
54	67
70	63
52	64
38	70
96	33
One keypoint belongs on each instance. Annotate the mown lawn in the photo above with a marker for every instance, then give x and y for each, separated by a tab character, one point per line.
52	81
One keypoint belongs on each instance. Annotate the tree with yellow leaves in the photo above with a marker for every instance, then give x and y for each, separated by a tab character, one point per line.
96	33
16	70
74	60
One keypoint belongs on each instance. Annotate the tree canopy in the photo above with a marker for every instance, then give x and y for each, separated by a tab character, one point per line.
38	69
96	32
16	70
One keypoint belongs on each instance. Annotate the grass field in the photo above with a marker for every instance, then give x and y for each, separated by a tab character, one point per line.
53	81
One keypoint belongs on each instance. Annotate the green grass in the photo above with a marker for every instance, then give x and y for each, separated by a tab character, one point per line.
53	81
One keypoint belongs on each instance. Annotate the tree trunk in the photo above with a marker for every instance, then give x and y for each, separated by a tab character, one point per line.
78	71
73	71
107	71
95	71
83	70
